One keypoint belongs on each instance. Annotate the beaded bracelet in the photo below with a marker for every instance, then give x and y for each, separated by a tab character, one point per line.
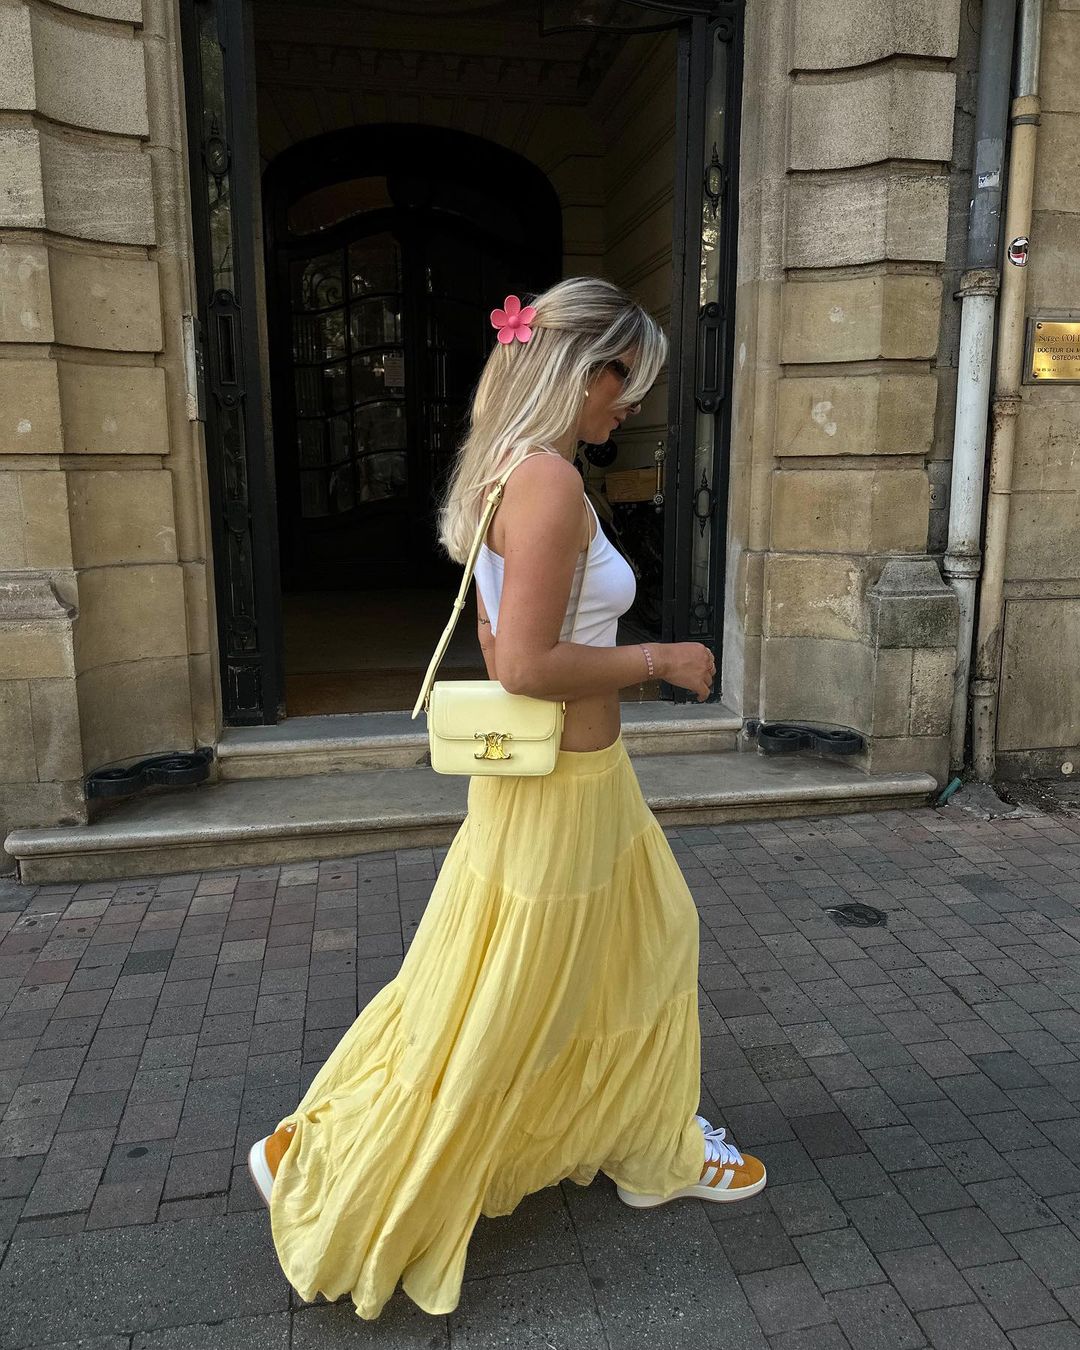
648	659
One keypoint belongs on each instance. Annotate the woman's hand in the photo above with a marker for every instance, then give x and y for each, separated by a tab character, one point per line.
686	664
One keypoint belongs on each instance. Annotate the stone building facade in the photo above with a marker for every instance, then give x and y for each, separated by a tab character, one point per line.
853	176
105	647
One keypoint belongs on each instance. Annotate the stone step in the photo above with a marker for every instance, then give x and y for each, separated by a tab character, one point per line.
347	742
260	821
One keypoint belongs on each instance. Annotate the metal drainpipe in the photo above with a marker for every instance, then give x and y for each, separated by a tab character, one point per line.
978	291
1007	381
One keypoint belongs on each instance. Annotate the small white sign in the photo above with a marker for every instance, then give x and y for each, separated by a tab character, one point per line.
394	372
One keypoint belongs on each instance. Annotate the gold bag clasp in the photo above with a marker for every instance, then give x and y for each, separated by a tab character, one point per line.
494	744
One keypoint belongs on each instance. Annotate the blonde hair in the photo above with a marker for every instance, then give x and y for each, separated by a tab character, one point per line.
531	393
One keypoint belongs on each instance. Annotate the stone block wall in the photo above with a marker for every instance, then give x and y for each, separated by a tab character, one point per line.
103	654
848	156
1038	727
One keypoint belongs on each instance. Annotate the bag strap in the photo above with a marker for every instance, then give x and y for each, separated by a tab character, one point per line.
492	501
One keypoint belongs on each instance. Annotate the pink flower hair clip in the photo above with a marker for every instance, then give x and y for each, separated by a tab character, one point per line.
512	321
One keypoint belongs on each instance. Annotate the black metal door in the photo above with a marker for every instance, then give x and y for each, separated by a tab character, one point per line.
694	461
702	331
224	156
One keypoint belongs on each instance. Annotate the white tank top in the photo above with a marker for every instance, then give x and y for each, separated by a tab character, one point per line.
610	587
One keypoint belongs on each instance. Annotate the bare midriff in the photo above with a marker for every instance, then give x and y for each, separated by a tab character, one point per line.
591	723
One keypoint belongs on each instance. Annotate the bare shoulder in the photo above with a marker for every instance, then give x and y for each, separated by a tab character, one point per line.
541	504
542	481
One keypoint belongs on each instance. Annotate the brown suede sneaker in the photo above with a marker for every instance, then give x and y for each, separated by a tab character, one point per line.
727	1174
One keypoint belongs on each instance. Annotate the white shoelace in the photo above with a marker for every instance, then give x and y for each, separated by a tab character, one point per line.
717	1149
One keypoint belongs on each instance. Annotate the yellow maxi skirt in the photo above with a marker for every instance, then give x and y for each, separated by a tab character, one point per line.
543	1025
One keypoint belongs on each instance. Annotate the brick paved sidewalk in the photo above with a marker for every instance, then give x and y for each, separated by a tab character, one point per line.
913	1090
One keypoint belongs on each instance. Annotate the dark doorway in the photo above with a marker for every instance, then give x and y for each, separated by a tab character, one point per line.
369	377
387	246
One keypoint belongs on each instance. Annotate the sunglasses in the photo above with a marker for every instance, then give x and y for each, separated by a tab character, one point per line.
622	369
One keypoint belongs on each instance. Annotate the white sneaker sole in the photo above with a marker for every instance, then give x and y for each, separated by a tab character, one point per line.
695	1192
260	1170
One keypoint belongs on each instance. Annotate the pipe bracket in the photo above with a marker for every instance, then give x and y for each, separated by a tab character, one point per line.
958	565
978	281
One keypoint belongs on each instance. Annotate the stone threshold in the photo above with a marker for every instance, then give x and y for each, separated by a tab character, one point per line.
346	742
274	820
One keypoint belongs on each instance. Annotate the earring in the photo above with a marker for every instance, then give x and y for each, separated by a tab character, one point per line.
586	393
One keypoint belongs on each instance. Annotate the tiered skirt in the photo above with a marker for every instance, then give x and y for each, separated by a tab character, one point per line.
542	1026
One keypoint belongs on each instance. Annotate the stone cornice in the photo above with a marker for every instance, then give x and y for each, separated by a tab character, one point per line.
31	595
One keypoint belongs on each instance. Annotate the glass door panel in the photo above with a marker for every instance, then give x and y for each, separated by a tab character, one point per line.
382	331
317	283
374	266
383	474
349	376
375	322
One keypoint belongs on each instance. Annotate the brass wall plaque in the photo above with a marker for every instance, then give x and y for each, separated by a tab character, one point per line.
1055	350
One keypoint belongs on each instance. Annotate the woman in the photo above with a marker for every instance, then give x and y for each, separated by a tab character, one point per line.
543	1024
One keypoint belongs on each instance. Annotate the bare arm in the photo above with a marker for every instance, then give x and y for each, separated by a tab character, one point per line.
484	635
541	509
489	645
